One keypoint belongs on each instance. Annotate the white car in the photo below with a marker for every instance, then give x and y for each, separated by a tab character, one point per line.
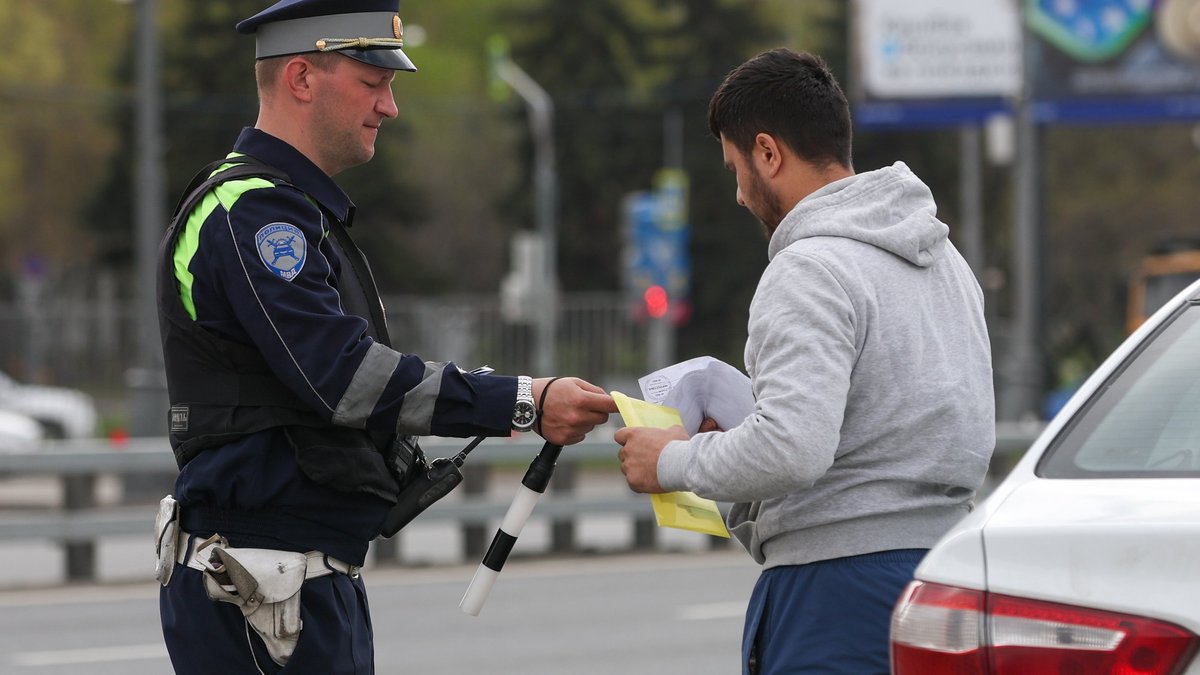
1086	558
61	412
18	433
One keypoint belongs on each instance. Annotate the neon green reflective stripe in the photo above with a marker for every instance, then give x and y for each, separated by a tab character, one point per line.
225	194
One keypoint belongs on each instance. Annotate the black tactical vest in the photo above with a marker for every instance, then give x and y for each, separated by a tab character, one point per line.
221	390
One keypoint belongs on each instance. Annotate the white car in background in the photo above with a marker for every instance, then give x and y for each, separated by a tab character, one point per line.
1086	558
18	433
61	412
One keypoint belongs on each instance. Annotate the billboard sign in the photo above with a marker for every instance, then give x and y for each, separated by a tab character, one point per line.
1112	60
935	62
948	62
939	48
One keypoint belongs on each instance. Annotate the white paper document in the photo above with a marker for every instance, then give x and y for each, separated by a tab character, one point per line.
699	388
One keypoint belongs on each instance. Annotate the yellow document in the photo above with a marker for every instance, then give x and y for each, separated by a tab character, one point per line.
682	510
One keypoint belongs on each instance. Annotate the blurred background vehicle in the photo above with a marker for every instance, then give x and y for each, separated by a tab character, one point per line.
18	433
1172	265
1083	559
59	411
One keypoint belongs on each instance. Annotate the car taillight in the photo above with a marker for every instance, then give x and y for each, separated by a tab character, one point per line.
940	629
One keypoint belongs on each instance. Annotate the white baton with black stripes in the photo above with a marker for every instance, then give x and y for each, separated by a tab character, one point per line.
532	486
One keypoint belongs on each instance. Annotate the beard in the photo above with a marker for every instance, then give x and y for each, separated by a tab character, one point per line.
341	144
763	203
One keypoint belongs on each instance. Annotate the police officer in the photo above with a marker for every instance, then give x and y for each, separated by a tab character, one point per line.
289	407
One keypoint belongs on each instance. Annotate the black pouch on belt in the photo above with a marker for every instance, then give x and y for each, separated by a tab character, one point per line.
343	458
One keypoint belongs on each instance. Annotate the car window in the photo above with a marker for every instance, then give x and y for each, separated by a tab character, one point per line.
1145	421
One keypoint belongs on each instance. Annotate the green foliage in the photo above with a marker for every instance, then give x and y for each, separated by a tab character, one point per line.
208	94
616	70
58	59
1111	193
448	162
451	180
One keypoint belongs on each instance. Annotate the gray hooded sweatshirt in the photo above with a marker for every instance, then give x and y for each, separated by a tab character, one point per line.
874	420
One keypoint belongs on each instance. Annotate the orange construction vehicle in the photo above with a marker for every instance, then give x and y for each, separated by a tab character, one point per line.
1169	268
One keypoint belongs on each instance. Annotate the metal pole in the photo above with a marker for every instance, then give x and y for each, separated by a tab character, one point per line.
673	138
971	193
1022	371
146	379
541	122
661	338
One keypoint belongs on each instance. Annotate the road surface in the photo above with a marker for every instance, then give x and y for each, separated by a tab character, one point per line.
657	614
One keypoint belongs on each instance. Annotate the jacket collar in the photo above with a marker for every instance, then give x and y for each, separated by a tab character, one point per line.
303	173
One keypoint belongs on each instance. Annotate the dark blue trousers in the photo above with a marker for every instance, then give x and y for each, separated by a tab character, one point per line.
828	617
205	637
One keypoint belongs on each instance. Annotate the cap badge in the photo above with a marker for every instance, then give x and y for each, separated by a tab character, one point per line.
397	27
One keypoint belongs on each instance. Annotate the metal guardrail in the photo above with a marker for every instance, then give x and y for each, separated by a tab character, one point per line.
81	520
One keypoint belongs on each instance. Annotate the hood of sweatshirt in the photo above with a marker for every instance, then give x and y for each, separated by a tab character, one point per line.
889	208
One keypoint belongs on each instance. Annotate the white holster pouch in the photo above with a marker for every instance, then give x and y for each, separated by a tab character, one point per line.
264	584
166	539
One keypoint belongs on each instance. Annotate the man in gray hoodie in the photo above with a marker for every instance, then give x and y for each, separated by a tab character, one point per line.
873	423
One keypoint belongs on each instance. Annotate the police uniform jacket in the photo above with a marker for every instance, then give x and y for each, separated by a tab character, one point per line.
259	265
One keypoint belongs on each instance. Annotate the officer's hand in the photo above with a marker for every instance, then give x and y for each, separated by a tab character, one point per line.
640	448
572	407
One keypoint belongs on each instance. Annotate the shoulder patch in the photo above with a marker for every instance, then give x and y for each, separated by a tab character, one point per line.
282	249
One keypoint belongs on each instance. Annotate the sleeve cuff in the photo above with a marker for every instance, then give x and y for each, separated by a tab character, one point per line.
497	393
472	405
672	466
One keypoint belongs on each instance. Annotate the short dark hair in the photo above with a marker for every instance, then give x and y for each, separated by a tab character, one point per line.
266	70
789	95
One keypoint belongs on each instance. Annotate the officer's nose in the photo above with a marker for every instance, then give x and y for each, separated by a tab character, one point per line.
386	105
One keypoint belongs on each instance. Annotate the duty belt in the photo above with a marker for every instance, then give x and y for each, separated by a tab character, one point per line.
319	564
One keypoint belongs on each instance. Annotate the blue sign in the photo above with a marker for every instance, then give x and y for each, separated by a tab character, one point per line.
1090	30
657	245
935	113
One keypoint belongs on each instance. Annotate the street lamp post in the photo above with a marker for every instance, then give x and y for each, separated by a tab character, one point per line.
1022	371
541	123
147	379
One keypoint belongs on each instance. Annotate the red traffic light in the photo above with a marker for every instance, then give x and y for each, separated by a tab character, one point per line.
657	303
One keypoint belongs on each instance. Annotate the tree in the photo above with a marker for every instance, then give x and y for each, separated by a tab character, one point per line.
453	158
53	126
616	69
1111	194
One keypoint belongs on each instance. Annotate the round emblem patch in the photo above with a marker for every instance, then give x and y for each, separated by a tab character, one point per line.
282	248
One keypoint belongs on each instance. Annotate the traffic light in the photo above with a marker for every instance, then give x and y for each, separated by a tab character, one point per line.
657	302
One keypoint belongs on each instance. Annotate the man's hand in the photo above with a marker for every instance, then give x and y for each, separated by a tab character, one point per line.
640	448
572	408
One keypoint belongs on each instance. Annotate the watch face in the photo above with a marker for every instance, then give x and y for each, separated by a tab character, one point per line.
524	415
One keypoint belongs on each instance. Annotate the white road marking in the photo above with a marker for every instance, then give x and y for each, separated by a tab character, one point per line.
61	657
72	595
712	610
385	576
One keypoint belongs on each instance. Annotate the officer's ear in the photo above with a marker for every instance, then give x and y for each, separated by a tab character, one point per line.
297	78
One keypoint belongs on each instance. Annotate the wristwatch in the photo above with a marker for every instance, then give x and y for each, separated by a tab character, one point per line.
524	413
